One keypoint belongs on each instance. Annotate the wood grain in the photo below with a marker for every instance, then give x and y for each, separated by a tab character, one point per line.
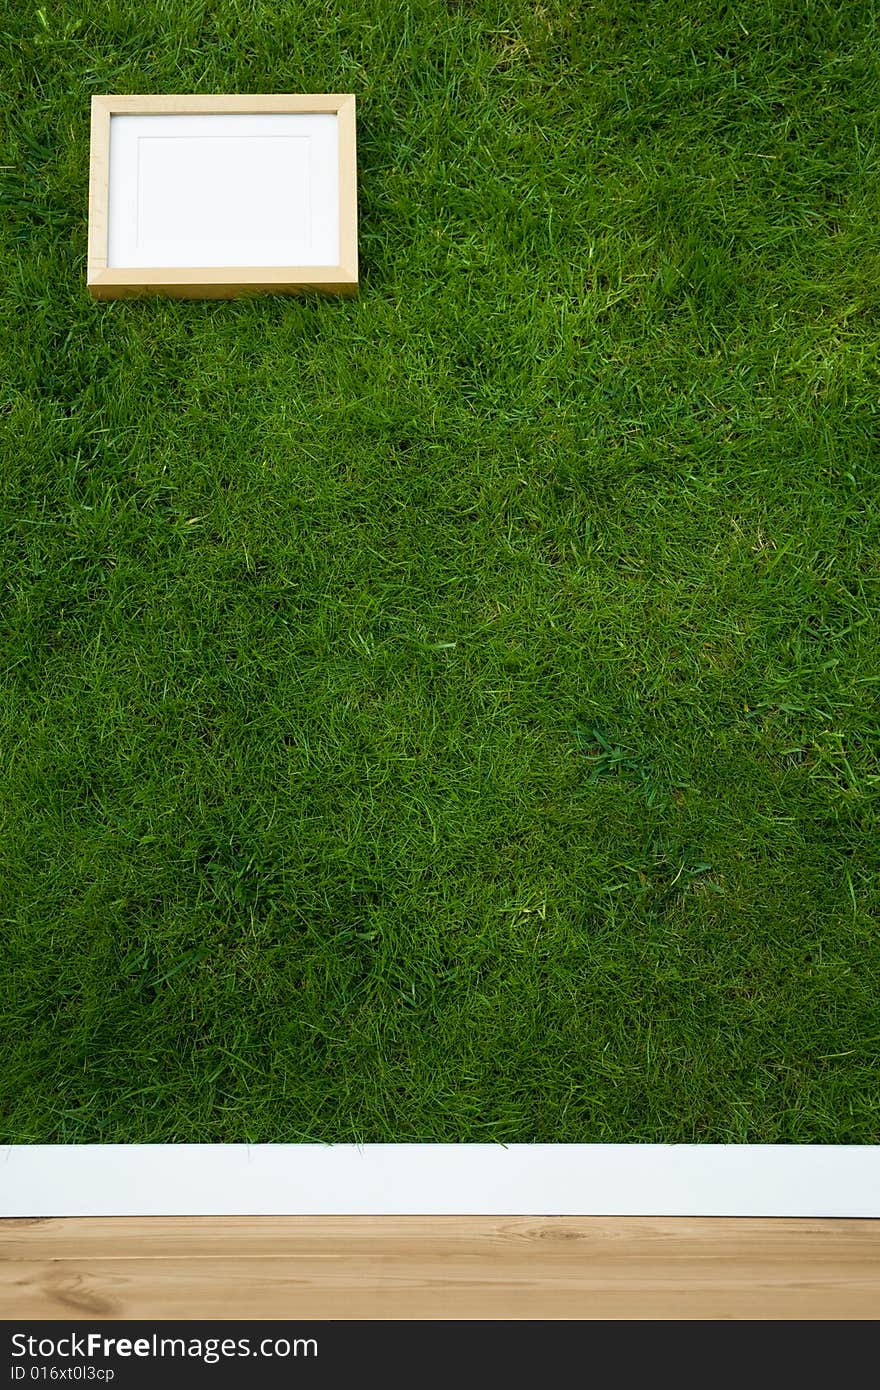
439	1267
221	282
229	103
99	186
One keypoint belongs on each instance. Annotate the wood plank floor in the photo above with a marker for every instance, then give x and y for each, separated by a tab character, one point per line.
438	1267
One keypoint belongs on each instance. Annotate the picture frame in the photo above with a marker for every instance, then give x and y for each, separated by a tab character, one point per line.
198	196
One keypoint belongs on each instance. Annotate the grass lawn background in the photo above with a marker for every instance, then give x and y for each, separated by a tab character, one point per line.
451	715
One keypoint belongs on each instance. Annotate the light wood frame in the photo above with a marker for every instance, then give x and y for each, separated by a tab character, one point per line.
222	282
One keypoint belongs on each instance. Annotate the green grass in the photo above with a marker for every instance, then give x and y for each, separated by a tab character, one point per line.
452	715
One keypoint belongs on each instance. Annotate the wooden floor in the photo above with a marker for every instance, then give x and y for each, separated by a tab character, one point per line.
438	1267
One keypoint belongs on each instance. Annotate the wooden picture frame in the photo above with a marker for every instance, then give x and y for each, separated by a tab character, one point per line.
116	223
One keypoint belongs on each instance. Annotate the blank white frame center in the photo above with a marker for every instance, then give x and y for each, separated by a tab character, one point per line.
216	196
224	190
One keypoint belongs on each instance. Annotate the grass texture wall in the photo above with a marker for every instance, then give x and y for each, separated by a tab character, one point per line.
451	715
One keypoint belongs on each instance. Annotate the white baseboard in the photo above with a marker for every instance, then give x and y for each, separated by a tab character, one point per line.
440	1179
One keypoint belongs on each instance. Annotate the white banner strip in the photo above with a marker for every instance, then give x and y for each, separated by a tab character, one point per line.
440	1179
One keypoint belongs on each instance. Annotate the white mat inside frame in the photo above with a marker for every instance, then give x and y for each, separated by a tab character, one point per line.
440	1179
226	189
